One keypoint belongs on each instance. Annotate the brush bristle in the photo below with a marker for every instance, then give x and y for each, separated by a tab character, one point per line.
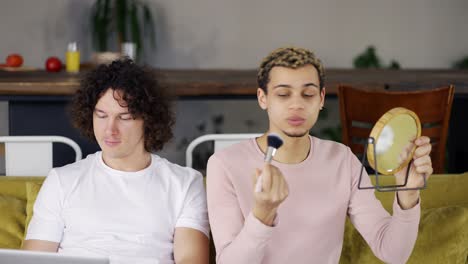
274	140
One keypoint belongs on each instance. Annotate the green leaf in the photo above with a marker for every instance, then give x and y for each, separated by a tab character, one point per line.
367	59
131	20
461	64
121	19
394	65
148	25
104	24
94	21
135	27
100	24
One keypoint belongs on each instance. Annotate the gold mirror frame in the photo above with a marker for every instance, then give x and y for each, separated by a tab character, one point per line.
377	130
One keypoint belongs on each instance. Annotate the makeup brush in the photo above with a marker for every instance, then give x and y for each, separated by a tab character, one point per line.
274	143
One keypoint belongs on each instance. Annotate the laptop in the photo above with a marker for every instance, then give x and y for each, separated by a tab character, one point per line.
14	256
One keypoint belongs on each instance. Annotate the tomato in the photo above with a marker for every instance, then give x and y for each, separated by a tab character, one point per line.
14	60
53	64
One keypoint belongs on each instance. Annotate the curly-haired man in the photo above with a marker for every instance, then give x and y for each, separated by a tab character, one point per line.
311	185
123	202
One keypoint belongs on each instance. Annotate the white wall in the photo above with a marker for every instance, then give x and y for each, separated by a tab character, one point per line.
238	33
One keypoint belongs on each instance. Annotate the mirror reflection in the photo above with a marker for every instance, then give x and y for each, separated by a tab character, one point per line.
394	134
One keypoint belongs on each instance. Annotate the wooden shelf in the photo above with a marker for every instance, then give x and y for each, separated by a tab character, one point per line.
238	82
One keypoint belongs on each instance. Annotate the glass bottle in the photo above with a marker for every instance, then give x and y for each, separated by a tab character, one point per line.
72	58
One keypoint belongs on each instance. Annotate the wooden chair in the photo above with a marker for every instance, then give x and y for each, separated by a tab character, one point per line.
360	109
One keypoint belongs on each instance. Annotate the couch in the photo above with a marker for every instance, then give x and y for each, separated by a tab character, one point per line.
443	231
443	228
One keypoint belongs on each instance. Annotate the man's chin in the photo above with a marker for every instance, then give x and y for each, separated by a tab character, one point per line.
296	134
111	154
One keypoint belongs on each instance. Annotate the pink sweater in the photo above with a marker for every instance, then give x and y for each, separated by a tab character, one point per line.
310	222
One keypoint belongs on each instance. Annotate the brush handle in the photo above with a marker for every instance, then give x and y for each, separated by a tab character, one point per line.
269	154
268	157
258	185
275	143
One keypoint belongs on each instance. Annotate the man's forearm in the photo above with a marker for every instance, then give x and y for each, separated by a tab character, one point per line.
248	246
407	199
266	216
40	245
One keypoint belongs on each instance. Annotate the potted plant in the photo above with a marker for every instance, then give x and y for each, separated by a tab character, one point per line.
461	64
123	21
370	59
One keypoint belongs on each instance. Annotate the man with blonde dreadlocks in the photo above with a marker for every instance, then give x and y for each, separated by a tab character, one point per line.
309	188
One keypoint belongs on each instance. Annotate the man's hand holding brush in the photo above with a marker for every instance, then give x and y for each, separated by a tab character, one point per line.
274	192
271	188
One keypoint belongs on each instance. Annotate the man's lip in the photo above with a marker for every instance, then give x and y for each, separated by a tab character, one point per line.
112	142
296	121
296	118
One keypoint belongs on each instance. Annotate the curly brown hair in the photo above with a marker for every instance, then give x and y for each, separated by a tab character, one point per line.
289	57
143	95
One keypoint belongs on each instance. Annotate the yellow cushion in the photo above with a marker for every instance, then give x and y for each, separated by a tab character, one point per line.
442	191
16	185
13	215
32	189
442	238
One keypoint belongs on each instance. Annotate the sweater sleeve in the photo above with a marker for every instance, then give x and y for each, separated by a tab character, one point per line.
391	238
237	239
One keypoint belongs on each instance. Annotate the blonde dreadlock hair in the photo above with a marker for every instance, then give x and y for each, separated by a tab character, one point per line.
289	57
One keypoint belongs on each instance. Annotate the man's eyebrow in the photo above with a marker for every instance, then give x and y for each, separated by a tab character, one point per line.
102	111
311	84
282	86
289	86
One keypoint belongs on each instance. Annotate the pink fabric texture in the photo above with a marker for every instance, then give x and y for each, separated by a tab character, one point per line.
310	222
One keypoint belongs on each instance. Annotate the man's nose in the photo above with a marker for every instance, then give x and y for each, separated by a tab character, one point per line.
111	126
297	102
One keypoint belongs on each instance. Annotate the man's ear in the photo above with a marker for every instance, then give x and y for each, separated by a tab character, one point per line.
322	97
261	97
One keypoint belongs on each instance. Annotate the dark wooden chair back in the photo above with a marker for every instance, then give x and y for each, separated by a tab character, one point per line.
361	108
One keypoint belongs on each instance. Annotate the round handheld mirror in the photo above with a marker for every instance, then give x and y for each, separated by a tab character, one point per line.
393	134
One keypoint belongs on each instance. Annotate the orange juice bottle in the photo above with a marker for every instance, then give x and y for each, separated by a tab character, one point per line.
72	58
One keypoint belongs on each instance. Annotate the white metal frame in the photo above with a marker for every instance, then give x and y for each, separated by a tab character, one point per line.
221	141
32	155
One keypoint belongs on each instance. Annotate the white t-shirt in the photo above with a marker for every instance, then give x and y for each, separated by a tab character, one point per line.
92	209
